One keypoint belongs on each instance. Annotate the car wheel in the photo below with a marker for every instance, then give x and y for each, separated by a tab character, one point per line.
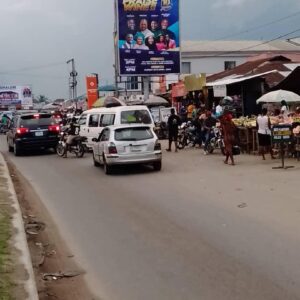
17	150
107	168
96	164
10	148
157	166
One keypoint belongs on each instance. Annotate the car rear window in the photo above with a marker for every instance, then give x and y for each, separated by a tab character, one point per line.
133	134
136	116
37	120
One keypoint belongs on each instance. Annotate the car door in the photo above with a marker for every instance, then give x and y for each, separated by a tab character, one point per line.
104	139
82	122
93	126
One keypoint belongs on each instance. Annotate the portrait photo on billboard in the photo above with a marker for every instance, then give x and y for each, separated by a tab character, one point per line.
148	37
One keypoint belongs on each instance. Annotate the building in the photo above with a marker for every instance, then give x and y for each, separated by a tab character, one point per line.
211	57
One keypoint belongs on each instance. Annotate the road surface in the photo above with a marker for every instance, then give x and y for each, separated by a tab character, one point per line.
197	230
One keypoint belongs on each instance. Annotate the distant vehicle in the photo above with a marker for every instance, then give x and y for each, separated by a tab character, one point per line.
127	144
32	131
94	120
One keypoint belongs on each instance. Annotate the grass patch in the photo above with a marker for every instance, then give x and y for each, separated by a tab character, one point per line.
5	233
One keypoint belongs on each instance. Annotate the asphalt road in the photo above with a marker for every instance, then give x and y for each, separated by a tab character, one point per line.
197	230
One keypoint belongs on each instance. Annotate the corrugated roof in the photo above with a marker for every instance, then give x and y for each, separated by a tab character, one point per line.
243	46
254	67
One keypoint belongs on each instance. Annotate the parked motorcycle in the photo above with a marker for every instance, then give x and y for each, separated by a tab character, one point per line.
216	141
187	135
78	146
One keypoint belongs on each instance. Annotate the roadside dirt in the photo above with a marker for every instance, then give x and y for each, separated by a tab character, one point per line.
49	253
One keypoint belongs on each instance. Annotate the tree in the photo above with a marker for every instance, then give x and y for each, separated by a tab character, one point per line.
42	98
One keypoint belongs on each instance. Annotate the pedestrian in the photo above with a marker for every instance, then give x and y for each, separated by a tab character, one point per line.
173	122
229	134
263	125
190	110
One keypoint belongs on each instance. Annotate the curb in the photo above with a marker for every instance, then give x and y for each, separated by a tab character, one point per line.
20	240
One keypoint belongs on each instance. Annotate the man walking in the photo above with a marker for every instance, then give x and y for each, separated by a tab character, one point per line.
173	122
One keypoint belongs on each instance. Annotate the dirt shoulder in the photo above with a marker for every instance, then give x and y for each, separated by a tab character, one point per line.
56	272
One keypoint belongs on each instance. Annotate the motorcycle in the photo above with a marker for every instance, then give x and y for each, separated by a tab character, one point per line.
78	146
216	141
187	135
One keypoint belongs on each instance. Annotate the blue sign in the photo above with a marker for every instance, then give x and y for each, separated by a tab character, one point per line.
148	37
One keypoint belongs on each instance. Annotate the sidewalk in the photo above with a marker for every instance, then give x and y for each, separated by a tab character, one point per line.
16	273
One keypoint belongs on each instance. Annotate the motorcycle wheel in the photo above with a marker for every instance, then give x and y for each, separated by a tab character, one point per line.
181	142
211	147
60	149
80	150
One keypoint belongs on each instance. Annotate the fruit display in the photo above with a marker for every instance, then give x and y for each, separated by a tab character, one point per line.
245	122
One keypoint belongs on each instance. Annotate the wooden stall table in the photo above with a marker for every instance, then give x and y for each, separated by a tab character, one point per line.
244	138
255	141
297	146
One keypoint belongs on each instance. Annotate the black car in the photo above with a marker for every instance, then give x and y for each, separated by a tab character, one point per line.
32	131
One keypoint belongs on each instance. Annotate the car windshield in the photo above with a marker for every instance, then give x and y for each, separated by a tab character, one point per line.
133	134
136	116
37	120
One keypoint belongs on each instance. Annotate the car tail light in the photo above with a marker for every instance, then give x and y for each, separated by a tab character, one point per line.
112	149
53	128
157	146
36	116
22	130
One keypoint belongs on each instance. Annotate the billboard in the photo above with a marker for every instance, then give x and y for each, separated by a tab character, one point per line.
148	37
13	95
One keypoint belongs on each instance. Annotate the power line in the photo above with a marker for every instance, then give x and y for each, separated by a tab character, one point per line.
259	26
34	68
250	47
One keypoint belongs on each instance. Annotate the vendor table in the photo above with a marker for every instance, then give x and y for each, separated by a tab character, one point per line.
297	146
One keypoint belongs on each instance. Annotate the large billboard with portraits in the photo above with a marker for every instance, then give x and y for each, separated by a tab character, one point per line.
15	95
148	37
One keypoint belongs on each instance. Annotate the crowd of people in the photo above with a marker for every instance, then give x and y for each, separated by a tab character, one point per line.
149	35
204	121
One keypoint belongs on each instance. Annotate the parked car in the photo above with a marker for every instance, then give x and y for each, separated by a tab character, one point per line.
127	144
32	131
94	120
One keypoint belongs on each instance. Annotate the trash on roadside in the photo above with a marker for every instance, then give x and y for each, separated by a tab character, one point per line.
242	205
34	227
60	275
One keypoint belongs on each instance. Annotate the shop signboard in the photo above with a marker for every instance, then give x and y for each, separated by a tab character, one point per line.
148	41
220	91
282	134
15	95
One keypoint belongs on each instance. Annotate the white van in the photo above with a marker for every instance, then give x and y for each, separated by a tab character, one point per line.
94	120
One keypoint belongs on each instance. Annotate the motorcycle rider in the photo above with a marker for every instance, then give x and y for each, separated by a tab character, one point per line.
72	133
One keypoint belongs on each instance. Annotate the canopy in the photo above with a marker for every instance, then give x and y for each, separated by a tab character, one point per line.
156	101
278	96
99	102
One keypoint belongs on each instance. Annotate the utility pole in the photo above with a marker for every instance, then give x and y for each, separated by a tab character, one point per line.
73	81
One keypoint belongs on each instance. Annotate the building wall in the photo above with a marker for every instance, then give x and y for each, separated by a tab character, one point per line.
211	65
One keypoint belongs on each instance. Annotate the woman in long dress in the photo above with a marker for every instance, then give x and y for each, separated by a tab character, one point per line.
229	134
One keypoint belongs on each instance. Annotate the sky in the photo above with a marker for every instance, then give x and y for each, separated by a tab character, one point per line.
39	36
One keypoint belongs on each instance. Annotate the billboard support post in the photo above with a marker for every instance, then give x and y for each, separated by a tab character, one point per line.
146	84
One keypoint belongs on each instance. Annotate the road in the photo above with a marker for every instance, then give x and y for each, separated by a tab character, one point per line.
198	229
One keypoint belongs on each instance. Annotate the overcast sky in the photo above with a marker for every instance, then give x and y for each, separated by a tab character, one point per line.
39	36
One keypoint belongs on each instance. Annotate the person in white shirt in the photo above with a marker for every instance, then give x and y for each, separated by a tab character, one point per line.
263	124
129	42
144	29
284	109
